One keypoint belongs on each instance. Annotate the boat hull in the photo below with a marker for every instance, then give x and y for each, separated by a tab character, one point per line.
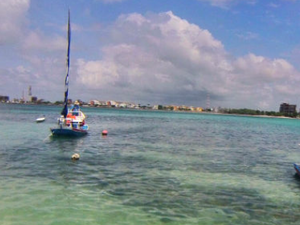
40	120
65	132
297	168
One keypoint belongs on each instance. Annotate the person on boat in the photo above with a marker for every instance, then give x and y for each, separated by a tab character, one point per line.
61	121
71	115
76	106
82	123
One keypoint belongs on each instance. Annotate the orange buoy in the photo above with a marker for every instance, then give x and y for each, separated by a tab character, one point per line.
104	132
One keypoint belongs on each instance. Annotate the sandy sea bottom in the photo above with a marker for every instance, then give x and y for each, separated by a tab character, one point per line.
152	168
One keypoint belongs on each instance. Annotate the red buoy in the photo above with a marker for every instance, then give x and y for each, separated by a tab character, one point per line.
104	132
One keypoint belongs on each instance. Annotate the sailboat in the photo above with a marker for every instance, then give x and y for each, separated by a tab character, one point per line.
72	119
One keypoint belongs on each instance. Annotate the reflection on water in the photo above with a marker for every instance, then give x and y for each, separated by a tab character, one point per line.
152	168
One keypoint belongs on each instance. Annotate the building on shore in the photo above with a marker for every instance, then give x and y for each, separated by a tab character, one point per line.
288	109
33	99
4	98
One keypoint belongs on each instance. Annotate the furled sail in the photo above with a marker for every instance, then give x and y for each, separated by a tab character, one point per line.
64	111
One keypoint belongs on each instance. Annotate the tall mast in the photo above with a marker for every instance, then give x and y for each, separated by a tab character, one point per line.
64	112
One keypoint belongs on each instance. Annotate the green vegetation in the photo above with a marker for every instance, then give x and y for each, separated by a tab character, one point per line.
258	112
58	103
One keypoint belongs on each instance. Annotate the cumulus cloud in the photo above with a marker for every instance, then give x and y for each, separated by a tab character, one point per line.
157	54
163	58
254	68
12	17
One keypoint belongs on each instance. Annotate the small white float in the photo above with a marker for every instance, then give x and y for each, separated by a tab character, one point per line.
76	156
40	119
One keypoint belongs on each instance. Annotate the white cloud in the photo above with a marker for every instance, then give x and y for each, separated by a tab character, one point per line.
163	58
12	17
36	40
254	68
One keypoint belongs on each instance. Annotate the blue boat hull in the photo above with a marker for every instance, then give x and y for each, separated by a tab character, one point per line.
64	132
297	168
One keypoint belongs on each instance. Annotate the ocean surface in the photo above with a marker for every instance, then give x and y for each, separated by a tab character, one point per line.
153	168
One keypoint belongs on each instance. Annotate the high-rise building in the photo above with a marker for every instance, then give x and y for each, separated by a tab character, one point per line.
287	108
29	91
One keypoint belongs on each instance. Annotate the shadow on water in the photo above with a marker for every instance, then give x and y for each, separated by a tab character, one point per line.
63	145
297	178
48	159
69	138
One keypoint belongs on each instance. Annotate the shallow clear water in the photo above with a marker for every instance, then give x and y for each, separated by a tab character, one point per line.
152	168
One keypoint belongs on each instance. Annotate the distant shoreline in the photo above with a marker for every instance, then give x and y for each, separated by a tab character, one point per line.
159	110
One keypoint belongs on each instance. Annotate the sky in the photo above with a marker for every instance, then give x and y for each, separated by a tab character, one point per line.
204	53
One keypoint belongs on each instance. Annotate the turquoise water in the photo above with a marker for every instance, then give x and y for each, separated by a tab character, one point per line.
152	168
